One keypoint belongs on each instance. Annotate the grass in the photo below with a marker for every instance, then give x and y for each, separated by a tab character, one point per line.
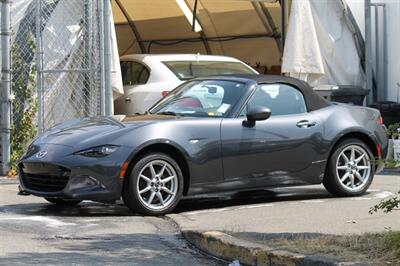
374	248
391	164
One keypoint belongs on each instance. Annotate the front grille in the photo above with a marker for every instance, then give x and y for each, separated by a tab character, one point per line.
44	177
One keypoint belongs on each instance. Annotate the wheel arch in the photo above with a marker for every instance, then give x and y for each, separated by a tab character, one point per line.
356	135
162	147
367	139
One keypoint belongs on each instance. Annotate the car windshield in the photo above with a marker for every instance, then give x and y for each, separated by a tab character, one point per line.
205	98
186	70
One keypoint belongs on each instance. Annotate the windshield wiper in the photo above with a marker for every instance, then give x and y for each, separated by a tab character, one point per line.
169	113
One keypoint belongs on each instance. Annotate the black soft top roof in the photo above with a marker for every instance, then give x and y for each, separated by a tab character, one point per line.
313	100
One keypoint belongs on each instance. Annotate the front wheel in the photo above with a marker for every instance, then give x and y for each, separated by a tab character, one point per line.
350	169
155	185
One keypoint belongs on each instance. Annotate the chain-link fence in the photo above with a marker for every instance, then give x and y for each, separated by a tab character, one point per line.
56	65
70	60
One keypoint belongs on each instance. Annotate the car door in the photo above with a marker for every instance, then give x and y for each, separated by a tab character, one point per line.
134	76
273	149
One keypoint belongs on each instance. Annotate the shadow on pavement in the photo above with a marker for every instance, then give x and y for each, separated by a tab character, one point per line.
201	202
253	197
84	209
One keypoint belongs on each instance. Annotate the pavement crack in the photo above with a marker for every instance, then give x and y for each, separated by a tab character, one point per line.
72	238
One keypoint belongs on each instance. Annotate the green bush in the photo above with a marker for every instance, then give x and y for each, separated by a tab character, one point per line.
393	131
25	105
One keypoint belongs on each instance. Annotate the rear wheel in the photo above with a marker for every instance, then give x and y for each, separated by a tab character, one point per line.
351	169
155	185
63	202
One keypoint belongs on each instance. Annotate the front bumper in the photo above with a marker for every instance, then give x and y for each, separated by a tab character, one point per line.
62	174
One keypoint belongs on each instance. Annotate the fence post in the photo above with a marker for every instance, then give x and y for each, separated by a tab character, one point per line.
102	73
39	66
5	127
107	58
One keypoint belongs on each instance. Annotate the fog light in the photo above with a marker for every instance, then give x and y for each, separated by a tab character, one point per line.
80	182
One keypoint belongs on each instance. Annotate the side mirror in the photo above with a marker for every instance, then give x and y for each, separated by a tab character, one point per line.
258	113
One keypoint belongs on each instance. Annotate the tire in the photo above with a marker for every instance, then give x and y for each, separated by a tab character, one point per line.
341	178
144	187
63	202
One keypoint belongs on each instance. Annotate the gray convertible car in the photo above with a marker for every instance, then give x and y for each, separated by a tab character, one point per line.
213	134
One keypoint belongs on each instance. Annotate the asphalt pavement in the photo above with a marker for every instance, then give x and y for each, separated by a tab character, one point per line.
308	209
35	232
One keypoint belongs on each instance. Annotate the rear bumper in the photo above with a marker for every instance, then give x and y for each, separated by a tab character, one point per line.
382	143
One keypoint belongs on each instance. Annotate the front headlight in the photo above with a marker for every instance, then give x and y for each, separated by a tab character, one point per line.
98	152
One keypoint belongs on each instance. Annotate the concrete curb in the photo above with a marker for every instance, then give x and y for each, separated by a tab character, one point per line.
230	248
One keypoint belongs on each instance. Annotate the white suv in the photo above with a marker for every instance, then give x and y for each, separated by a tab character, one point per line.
147	78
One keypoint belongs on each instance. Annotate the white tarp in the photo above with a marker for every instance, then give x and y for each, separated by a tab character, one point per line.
319	46
116	75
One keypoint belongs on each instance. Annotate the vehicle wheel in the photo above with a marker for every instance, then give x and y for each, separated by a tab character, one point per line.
155	185
350	169
63	202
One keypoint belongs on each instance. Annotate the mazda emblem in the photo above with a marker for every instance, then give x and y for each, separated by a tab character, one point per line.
41	154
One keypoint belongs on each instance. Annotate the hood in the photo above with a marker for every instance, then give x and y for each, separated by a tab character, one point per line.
73	132
89	131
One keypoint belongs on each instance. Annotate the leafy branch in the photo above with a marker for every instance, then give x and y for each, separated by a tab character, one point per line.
388	205
25	105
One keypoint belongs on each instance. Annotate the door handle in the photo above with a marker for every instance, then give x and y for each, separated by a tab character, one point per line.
128	100
305	124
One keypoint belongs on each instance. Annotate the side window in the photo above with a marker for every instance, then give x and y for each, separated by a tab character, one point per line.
281	99
134	73
144	76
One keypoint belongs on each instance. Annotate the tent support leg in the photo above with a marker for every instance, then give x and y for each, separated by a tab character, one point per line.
202	34
132	25
283	24
267	22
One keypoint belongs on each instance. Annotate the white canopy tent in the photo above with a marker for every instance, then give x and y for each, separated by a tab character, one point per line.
320	46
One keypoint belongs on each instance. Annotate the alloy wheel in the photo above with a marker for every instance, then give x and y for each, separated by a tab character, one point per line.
353	167
157	185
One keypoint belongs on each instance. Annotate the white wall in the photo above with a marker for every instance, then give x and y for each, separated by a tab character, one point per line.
392	41
393	49
357	8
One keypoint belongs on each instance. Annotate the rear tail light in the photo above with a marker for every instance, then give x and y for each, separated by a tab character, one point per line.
379	150
164	93
380	120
